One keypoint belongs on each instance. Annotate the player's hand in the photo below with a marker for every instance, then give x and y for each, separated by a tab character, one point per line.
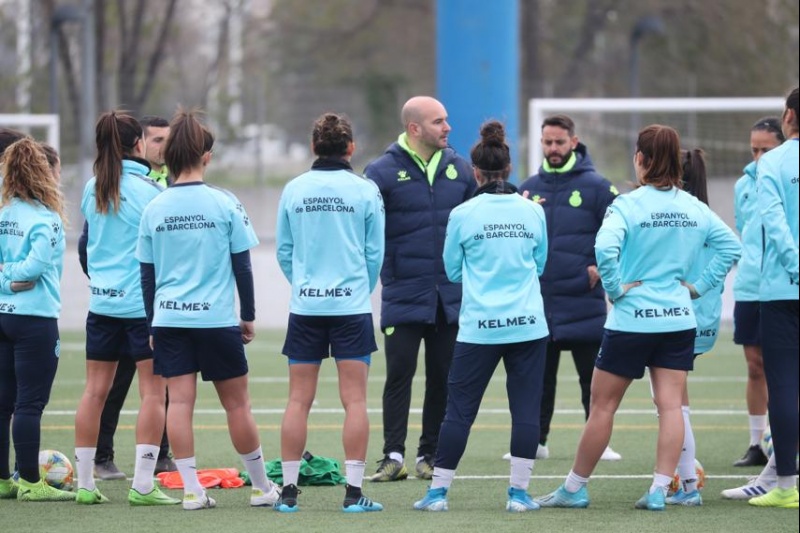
151	342
248	331
692	291
527	195
594	276
626	287
21	286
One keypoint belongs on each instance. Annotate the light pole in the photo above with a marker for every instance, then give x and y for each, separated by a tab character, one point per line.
648	24
62	14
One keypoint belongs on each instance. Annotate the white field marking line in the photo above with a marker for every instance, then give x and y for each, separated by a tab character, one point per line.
417	411
604	476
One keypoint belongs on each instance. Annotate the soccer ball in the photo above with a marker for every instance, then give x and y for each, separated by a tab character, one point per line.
55	469
766	442
676	479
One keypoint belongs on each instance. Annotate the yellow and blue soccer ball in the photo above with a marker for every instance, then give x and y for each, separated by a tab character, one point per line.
56	469
766	442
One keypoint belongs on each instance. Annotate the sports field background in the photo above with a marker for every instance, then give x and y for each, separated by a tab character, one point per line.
477	498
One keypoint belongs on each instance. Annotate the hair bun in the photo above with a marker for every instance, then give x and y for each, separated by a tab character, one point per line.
493	132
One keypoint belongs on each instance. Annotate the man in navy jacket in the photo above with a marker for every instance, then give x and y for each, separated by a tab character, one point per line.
574	197
421	179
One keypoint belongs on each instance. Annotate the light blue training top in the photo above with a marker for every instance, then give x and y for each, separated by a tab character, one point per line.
330	241
114	279
496	247
189	233
748	224
778	205
707	308
32	247
654	236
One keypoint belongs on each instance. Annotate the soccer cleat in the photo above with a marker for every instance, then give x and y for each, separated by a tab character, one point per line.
754	456
542	452
107	471
755	487
356	502
652	501
520	501
390	470
42	492
435	500
778	497
8	489
688	499
424	468
165	464
259	498
194	502
561	497
288	500
610	455
154	497
90	497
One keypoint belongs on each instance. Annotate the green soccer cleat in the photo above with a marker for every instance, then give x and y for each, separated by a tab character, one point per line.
90	497
8	489
390	470
154	497
42	492
777	497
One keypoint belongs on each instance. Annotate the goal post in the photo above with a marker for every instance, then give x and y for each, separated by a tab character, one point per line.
609	127
48	122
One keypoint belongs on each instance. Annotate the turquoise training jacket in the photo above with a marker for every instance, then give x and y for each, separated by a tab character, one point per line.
654	236
748	224
32	247
778	205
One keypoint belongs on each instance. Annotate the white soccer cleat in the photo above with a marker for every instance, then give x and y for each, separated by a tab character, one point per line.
260	498
610	455
541	453
755	487
193	502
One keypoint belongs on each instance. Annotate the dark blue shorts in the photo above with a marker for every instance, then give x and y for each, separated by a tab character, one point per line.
217	353
313	338
627	354
746	320
109	338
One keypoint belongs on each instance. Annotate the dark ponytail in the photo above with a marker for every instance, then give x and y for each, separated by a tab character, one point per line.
694	174
116	135
188	141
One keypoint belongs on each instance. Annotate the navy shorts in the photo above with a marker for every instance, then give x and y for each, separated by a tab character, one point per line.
217	353
109	338
314	338
746	320
627	354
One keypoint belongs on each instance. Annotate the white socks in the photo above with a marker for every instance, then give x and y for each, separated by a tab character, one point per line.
574	482
145	466
686	467
254	464
521	470
758	423
291	472
188	470
396	456
442	478
354	472
660	482
84	465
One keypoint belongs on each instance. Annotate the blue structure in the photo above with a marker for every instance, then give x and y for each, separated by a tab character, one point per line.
477	66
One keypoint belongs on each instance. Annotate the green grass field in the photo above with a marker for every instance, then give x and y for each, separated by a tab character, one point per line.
477	497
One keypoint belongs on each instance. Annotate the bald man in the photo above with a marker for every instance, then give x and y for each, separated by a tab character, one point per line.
421	179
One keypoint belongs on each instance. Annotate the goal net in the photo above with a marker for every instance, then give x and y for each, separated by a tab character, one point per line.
40	126
609	127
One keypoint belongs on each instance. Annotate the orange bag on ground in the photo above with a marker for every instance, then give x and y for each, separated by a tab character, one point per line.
225	478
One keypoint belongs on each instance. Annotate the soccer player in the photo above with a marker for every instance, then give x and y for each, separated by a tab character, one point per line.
32	250
645	249
765	135
496	246
777	189
330	244
112	204
194	243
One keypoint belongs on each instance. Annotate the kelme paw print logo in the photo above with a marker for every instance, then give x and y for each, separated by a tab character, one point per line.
206	306
121	294
53	242
246	220
240	208
531	319
56	227
348	291
11	308
686	311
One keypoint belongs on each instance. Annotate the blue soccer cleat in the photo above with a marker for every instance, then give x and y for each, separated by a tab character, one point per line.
435	500
561	497
520	501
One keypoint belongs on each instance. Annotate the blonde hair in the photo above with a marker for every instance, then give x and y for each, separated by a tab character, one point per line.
27	175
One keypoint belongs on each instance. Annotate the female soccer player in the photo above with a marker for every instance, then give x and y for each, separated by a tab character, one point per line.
112	204
765	135
32	252
496	246
778	292
330	245
194	243
645	248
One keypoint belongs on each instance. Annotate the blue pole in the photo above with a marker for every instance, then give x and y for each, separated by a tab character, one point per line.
477	65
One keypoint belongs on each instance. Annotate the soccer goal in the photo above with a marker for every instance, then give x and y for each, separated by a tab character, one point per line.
27	121
609	127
